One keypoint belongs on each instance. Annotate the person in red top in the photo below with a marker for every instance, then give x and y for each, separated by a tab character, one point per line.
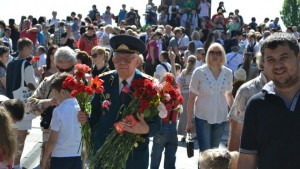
88	40
28	32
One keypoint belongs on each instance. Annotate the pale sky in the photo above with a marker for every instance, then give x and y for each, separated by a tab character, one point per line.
258	8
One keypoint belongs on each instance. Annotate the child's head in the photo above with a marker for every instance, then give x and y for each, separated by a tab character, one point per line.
8	142
218	159
60	93
15	109
164	57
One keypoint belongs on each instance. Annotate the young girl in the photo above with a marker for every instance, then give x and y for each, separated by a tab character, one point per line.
8	143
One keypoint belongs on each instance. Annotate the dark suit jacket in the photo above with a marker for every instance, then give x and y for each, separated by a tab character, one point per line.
102	124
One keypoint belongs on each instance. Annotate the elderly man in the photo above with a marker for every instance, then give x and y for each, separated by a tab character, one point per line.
125	58
43	97
270	137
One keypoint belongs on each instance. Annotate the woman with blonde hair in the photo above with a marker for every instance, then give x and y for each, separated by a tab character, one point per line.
8	142
209	98
184	81
100	59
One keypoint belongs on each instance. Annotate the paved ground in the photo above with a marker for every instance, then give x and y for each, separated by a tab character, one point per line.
31	154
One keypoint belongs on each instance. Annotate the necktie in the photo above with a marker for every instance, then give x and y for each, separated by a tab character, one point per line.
123	94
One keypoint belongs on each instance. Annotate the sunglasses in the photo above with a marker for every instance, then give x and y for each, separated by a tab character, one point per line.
65	70
216	53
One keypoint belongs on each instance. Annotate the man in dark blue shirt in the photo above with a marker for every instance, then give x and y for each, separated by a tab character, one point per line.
271	137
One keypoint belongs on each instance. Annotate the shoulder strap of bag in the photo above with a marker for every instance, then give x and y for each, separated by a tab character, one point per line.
165	67
231	58
22	74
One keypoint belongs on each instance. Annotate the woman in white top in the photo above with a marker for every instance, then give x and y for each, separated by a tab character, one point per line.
184	81
210	96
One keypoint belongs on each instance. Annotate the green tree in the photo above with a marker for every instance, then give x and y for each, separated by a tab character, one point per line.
290	13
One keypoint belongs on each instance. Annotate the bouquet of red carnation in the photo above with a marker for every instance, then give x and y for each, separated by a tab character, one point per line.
83	93
119	144
170	97
35	59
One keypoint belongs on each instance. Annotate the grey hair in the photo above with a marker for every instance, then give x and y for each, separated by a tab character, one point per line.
65	54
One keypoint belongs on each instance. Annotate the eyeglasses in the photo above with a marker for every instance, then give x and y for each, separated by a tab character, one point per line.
125	59
215	53
94	55
65	70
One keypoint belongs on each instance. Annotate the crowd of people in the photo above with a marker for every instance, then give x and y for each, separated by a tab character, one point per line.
218	64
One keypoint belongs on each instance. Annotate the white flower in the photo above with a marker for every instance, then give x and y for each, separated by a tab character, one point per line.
162	110
168	97
180	109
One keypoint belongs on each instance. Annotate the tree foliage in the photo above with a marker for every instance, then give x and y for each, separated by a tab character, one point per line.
290	13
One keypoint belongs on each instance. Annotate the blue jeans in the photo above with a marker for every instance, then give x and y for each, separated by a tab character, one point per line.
66	163
208	135
166	139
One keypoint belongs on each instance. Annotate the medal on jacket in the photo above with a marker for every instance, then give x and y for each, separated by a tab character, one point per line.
111	80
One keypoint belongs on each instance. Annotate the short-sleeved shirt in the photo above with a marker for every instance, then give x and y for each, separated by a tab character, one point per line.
211	104
173	43
244	93
154	44
160	70
64	121
271	130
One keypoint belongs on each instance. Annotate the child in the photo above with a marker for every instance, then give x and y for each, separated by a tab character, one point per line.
15	109
218	159
64	140
166	139
8	142
164	66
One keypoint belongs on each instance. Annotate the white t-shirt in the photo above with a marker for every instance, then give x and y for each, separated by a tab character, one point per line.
64	121
234	59
42	60
211	104
160	71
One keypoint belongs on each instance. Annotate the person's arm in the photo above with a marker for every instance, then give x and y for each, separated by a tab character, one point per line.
31	30
3	81
229	98
247	161
235	133
38	101
172	57
151	52
49	148
190	110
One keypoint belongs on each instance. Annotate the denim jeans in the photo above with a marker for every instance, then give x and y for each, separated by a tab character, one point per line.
166	139
208	135
66	163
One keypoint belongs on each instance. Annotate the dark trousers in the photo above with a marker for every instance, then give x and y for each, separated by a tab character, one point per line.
66	163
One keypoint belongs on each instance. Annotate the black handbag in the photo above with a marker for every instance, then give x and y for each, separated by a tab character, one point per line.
190	145
47	115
